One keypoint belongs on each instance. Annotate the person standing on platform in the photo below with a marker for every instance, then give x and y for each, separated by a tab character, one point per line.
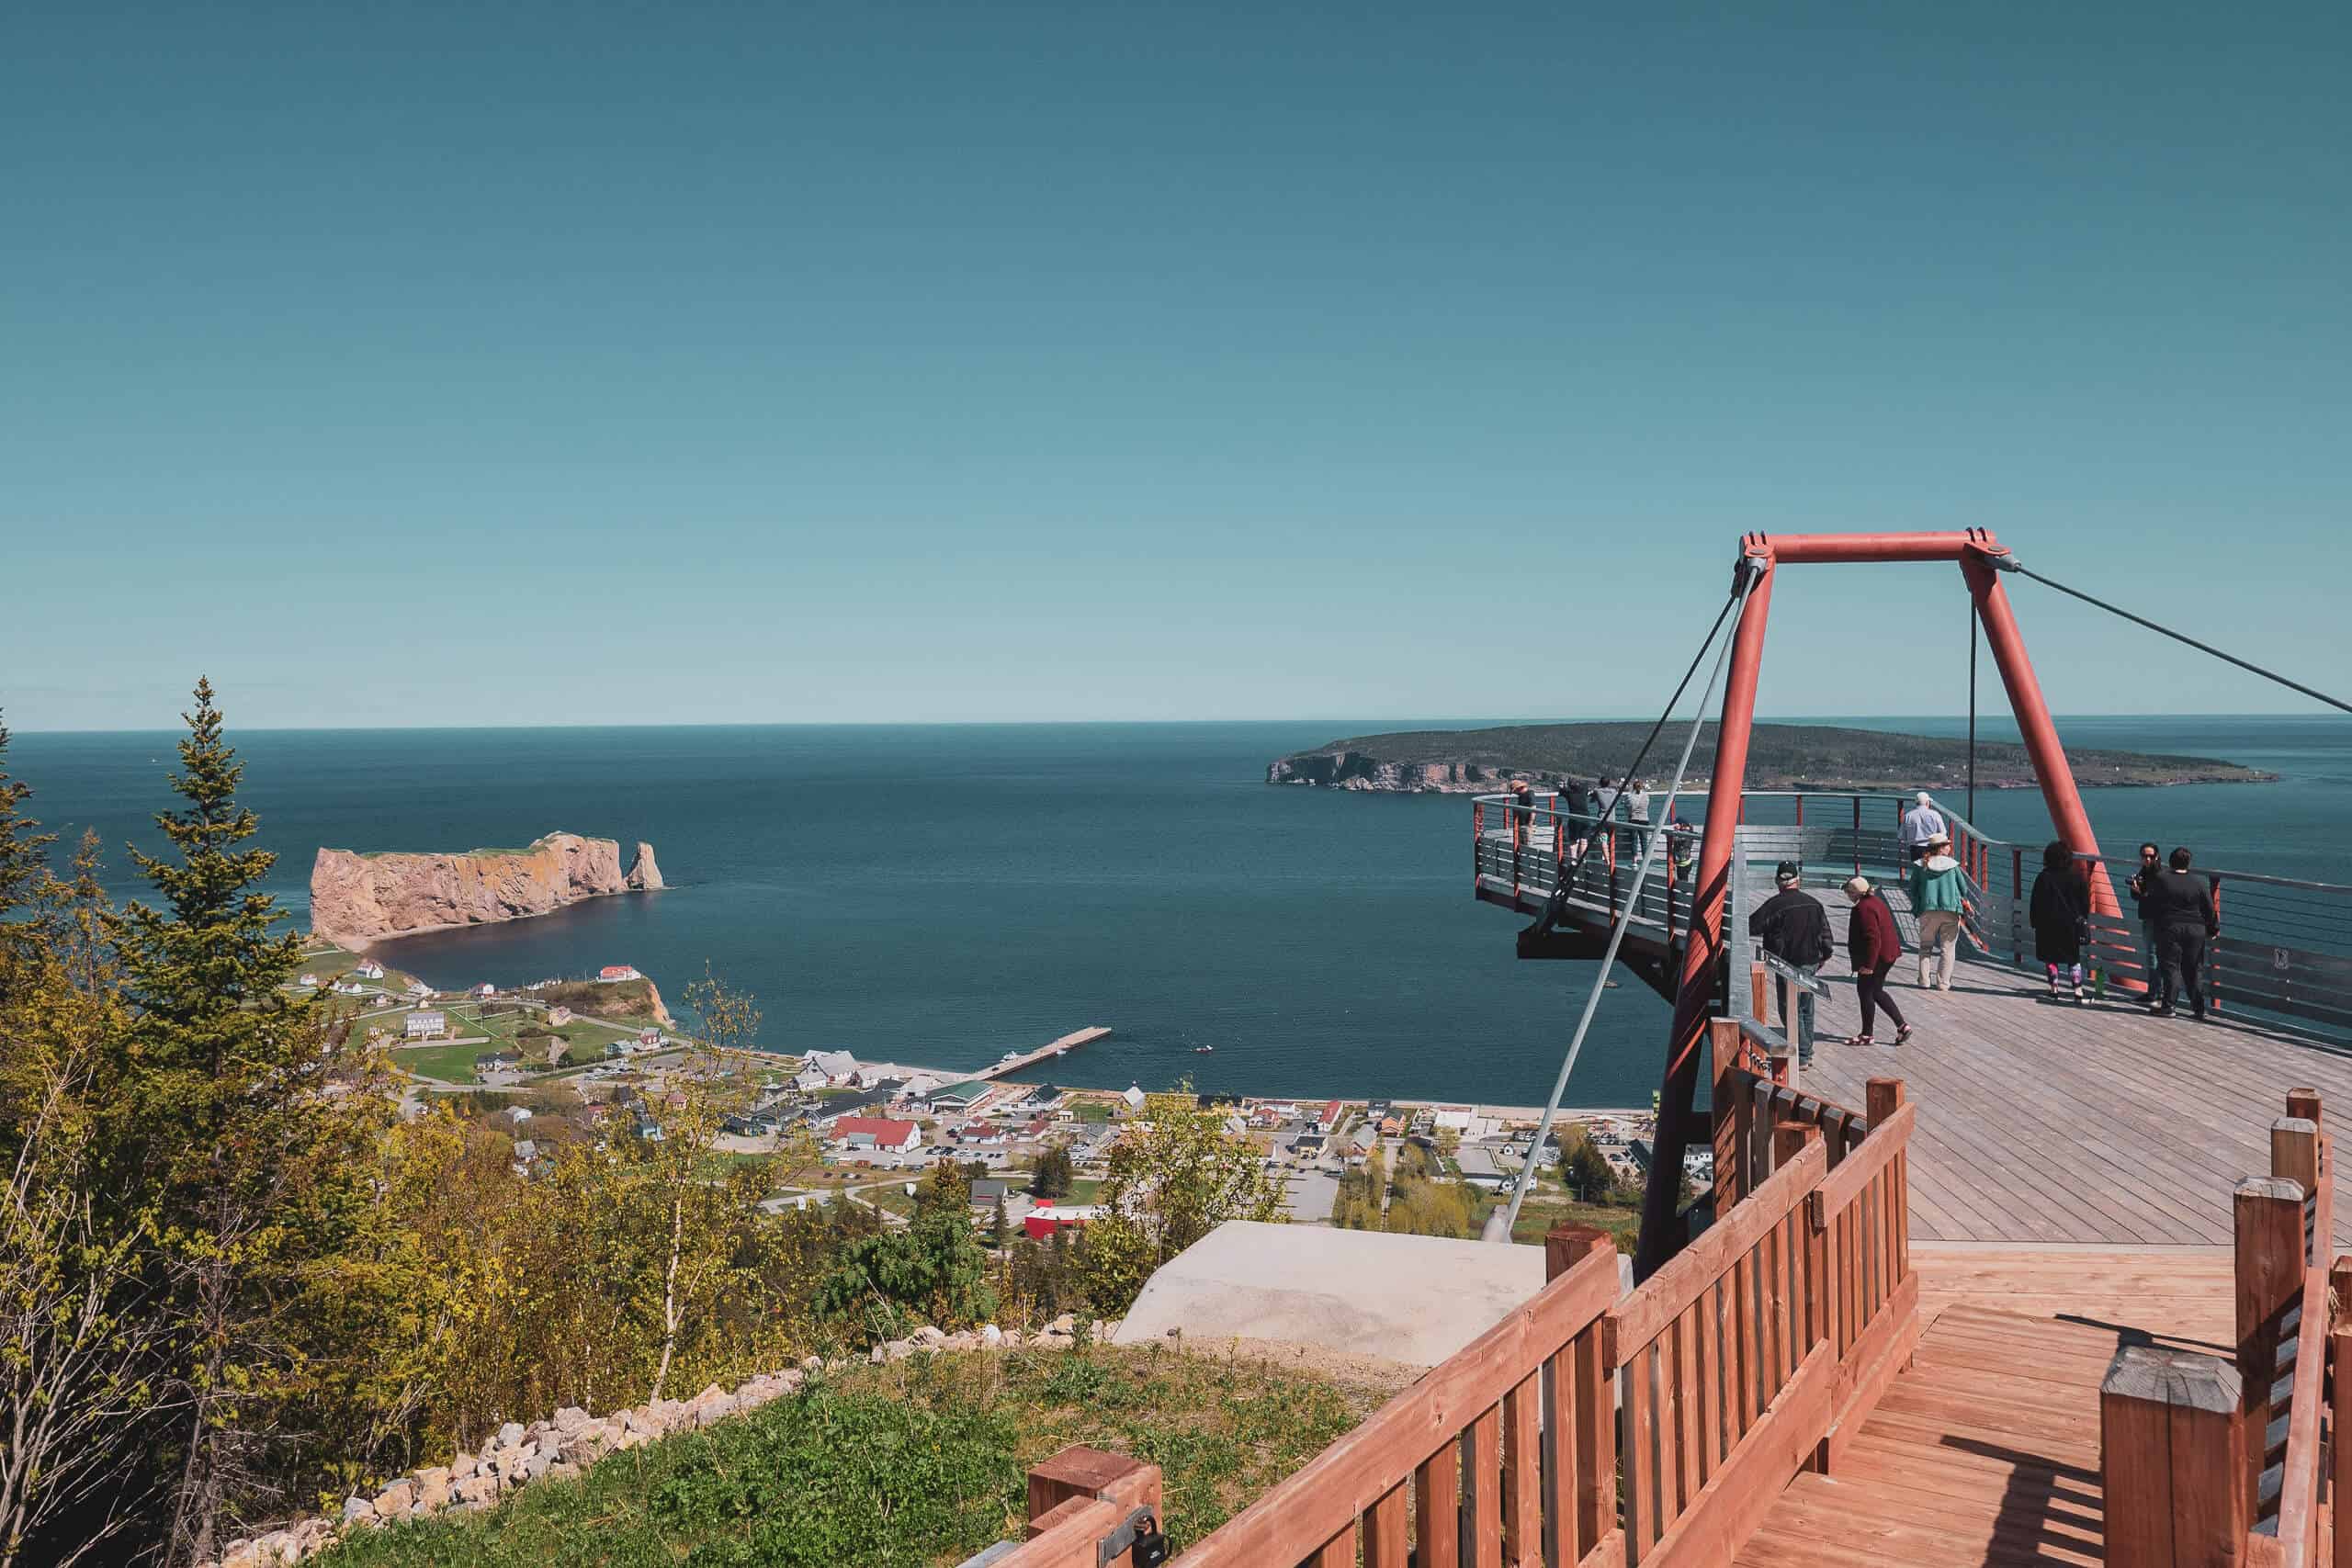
1793	928
1522	812
1919	825
1940	900
1873	945
2152	958
2185	920
2061	914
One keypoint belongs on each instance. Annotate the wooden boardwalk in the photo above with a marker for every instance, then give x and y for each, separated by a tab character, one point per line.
2094	1125
1986	1450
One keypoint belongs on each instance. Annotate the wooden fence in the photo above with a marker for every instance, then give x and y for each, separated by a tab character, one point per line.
1752	1355
2240	1460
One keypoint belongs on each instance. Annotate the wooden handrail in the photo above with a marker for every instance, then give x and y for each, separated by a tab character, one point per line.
2298	1525
1637	1320
1856	1170
1413	1437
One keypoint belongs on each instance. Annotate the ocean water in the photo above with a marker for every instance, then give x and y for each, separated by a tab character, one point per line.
943	894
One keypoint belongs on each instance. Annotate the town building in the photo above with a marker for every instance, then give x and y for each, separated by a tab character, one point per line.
839	1066
876	1133
1044	1219
426	1024
612	972
368	969
956	1098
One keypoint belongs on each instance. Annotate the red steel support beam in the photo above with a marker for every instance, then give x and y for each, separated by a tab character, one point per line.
2040	736
1702	949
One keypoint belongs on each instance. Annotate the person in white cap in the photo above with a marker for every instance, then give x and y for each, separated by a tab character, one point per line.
1919	824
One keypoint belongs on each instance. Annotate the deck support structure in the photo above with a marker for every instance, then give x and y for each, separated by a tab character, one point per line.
1974	550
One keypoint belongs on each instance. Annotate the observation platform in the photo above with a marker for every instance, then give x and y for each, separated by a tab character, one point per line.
2040	1123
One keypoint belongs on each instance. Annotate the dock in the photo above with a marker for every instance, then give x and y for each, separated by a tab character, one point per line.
1045	1053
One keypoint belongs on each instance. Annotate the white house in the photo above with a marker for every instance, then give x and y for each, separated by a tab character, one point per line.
370	969
612	972
876	1133
1133	1097
427	1023
310	981
839	1066
519	1114
419	989
809	1079
1451	1118
485	990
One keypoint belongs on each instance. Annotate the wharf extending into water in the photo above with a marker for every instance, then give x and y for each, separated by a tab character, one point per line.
1045	1053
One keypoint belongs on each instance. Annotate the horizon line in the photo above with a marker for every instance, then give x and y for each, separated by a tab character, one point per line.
1484	723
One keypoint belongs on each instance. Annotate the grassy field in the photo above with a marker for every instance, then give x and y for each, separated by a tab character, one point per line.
1623	1223
916	1465
443	1062
330	964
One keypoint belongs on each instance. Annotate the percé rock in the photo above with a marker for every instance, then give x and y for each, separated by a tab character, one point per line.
357	898
643	875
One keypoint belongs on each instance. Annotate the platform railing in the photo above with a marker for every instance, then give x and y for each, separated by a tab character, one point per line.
1591	1427
2284	949
2245	1457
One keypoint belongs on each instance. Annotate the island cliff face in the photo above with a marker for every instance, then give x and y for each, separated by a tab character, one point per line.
357	898
1346	769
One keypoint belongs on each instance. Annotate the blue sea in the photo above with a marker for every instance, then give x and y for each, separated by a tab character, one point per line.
943	894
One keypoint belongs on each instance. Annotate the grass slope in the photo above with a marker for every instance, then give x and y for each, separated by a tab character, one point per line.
1780	756
911	1466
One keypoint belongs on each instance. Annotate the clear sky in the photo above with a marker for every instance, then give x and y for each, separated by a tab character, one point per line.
575	363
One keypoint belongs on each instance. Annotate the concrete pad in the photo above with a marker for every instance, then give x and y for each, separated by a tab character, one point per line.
1404	1298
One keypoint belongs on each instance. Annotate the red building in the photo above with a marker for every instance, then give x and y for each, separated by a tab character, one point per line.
1046	1218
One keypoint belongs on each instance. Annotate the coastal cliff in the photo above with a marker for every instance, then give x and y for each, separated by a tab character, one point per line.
1780	756
357	899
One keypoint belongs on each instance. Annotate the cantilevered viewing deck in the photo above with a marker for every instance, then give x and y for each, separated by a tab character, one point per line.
2037	1121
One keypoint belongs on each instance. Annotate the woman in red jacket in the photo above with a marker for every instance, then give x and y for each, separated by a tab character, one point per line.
1874	943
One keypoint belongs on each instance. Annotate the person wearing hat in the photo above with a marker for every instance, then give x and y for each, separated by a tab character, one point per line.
1793	928
1874	943
1939	899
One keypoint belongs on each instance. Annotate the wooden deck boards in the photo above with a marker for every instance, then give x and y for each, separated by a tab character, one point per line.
1984	1452
2049	1123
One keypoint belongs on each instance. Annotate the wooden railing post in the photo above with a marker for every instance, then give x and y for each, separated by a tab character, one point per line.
1580	1420
2339	1361
1735	1113
2270	1281
1789	1141
2294	1157
1077	1499
2172	1443
1884	1098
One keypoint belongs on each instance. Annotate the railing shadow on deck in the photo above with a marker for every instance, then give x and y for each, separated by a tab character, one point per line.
1591	1427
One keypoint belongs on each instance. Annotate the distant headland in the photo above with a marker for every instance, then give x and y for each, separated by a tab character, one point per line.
1780	756
358	898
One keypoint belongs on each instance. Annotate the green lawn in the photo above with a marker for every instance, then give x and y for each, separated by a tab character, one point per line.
446	1063
916	1465
1093	1111
1623	1223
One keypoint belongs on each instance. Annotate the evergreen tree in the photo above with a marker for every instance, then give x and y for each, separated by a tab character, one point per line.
259	1139
999	1227
22	864
1053	1176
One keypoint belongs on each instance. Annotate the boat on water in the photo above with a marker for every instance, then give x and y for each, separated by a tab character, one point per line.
1203	1050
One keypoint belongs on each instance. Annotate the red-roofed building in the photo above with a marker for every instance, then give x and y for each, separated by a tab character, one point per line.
878	1133
1330	1117
1046	1218
617	972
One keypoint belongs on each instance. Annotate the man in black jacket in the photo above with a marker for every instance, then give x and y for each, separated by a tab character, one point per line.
1793	928
2180	908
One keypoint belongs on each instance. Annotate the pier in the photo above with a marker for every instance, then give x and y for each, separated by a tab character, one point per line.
1061	1047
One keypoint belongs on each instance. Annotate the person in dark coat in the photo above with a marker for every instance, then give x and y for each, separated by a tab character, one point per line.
2180	906
1793	928
2060	910
1874	943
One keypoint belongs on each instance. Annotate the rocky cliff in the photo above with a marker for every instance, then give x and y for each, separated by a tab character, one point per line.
643	875
1345	768
357	899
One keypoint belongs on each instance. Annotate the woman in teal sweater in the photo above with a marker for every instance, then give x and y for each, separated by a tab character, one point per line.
1938	899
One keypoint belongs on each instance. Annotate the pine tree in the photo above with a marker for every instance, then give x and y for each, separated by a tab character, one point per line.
23	848
260	1126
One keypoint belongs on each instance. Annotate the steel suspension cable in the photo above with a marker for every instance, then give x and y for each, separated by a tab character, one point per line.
2011	564
1624	781
1632	897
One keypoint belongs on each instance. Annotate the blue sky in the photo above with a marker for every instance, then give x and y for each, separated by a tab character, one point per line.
536	363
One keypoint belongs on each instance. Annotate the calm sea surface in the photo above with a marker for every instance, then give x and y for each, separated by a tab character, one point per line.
943	894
